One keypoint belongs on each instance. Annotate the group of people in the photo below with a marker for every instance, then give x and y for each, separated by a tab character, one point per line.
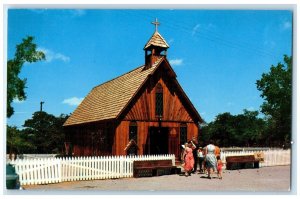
208	158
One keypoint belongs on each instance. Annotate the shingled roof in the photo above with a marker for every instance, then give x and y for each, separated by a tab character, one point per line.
107	100
156	40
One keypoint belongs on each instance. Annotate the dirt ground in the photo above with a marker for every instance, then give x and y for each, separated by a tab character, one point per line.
266	179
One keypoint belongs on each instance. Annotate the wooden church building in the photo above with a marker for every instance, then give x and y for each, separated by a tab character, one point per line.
144	111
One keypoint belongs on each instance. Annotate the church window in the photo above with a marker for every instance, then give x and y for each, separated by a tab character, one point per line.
133	131
132	150
159	101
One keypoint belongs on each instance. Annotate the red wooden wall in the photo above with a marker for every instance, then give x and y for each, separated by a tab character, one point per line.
142	110
85	138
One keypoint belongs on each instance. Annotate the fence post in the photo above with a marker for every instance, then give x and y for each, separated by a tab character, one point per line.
173	159
100	167
121	166
53	168
59	161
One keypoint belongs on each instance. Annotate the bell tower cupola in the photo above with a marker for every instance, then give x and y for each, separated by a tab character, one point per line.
155	48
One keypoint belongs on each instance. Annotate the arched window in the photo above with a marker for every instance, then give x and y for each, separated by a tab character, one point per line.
159	100
183	134
133	131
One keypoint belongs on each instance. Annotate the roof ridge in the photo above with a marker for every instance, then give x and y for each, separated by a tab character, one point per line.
118	77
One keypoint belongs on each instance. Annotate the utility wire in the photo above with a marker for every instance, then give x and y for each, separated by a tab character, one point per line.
205	33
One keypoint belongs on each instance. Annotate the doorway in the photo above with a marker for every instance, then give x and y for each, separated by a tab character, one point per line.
158	140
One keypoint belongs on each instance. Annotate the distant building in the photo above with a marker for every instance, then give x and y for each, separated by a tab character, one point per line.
144	111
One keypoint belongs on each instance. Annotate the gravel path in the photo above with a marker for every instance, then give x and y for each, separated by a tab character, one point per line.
265	179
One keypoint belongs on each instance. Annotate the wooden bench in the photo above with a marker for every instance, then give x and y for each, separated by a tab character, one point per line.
149	168
241	162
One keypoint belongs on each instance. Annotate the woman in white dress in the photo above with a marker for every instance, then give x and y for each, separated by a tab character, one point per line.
210	159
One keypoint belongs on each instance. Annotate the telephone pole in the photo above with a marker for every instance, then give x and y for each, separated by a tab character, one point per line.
41	107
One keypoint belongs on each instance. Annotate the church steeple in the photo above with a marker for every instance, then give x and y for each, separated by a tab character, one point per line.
155	47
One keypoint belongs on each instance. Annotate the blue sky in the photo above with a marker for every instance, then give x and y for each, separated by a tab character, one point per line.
217	54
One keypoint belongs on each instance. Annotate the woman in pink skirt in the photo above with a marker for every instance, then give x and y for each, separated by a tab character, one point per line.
188	159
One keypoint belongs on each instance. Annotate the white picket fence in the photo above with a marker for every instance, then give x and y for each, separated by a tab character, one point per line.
277	157
54	170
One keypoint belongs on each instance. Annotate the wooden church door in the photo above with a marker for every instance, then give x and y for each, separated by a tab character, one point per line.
158	140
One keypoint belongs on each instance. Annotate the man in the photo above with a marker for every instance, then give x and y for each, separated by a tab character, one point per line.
195	153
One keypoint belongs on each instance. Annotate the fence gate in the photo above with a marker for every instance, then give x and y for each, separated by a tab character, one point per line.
54	170
91	168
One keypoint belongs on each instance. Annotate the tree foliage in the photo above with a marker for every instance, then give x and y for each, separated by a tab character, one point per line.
43	133
248	129
17	142
46	132
276	88
25	52
241	130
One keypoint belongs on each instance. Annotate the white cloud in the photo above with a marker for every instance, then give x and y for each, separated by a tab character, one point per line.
70	12
204	27
73	101
230	104
176	62
196	27
20	112
38	10
270	44
17	101
171	41
286	25
77	13
251	108
51	56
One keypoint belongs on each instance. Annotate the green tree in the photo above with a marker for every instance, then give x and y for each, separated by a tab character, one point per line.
25	52
249	129
242	130
220	130
46	132
17	142
276	88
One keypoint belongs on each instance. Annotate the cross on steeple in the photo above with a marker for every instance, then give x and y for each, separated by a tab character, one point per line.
156	23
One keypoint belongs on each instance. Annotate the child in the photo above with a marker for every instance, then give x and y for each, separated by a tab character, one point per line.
219	167
201	159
